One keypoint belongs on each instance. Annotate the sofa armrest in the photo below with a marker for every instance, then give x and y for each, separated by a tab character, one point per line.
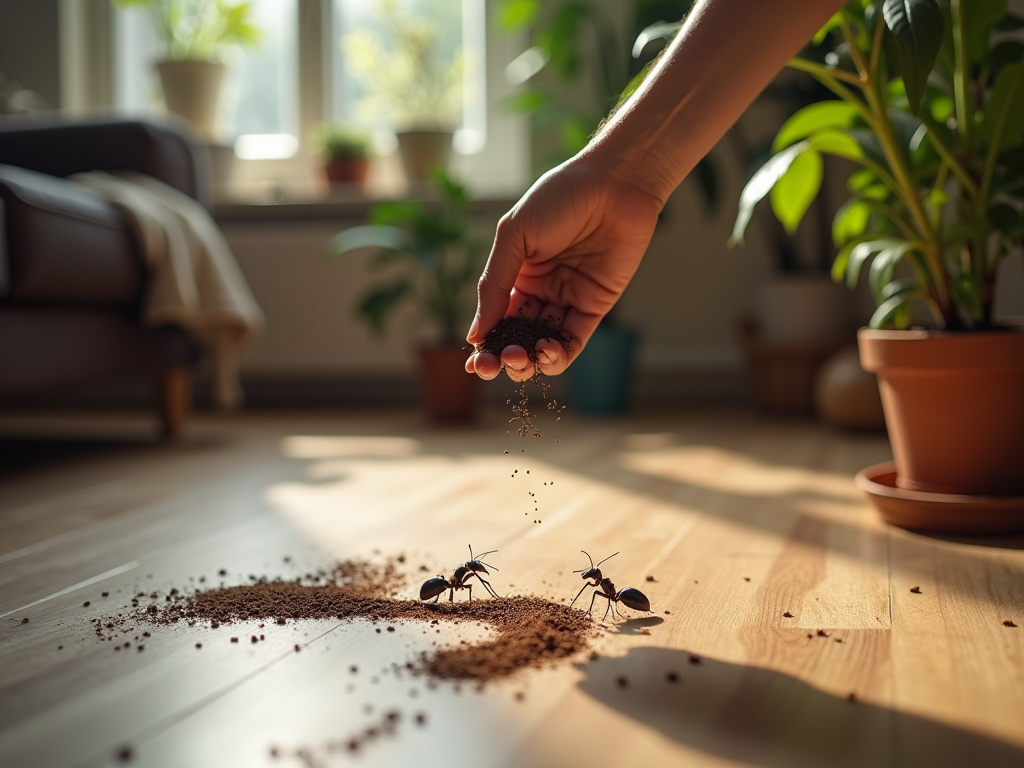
162	150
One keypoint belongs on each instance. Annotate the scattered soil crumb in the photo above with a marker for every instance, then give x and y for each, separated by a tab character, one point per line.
672	677
1009	623
25	620
787	615
916	590
822	633
125	754
851	697
695	659
650	578
622	682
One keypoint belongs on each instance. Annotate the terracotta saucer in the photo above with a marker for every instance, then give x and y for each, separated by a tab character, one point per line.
939	512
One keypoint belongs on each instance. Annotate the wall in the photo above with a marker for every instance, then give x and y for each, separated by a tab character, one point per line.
30	45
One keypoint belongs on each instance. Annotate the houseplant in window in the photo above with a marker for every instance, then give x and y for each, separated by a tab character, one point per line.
194	34
411	80
930	107
430	260
344	151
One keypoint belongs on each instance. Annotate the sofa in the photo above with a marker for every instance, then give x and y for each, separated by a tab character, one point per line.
71	278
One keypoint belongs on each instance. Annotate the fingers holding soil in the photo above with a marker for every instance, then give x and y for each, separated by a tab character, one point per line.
523	344
518	363
484	365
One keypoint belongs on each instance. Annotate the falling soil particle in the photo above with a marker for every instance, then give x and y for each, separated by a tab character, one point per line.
672	677
787	615
222	572
125	754
1009	623
622	682
851	697
146	634
695	659
199	645
916	590
810	636
746	578
255	639
141	648
668	613
421	719
650	578
105	594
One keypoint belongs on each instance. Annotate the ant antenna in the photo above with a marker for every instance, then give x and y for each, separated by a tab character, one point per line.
605	560
482	555
581	570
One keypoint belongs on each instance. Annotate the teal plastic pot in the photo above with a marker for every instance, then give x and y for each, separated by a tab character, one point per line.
602	376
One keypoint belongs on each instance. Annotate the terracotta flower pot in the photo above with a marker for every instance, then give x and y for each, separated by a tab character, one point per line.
449	393
347	170
192	91
954	406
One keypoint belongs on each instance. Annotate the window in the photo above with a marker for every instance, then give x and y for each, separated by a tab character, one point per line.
304	72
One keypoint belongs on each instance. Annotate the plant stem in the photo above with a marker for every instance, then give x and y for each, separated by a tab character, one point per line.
961	83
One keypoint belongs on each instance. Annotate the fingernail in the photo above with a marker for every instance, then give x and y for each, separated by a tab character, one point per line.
473	329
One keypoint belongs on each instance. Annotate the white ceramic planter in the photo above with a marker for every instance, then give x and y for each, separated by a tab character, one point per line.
422	151
192	91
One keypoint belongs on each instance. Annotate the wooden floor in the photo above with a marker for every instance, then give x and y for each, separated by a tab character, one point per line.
741	521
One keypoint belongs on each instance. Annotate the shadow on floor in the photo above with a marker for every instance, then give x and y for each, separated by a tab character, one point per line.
762	717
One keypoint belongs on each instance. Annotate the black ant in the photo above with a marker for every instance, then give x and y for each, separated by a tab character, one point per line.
473	567
629	596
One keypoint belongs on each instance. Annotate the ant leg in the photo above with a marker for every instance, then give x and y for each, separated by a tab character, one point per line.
593	597
470	588
451	595
588	584
487	586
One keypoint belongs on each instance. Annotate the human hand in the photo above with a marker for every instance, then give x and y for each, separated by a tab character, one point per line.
563	254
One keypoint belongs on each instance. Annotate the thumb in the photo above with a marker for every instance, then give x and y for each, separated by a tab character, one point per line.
499	277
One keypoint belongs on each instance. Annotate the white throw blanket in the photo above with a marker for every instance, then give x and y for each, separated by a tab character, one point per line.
194	280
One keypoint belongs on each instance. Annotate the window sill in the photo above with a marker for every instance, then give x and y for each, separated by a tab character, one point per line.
350	205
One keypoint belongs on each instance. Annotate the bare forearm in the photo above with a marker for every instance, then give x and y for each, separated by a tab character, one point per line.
724	56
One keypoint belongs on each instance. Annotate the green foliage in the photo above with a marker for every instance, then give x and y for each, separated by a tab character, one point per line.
427	254
931	108
199	29
335	140
408	81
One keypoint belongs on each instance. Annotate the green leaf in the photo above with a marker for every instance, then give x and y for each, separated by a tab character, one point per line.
369	236
529	100
850	221
917	26
379	303
796	189
1007	220
813	118
895	310
832	23
967	294
838	143
979	18
1005	52
1011	22
516	15
883	267
862	252
760	184
1003	121
662	30
395	212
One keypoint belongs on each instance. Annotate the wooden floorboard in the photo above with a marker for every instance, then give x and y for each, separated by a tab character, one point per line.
781	603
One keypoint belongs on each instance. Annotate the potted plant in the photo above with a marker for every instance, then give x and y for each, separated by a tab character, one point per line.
194	33
344	151
419	91
431	261
930	108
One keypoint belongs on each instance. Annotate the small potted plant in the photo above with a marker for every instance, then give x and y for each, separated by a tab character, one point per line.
344	151
419	91
194	34
930	108
437	265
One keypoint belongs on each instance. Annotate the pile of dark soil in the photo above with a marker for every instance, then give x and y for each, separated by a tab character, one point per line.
524	332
